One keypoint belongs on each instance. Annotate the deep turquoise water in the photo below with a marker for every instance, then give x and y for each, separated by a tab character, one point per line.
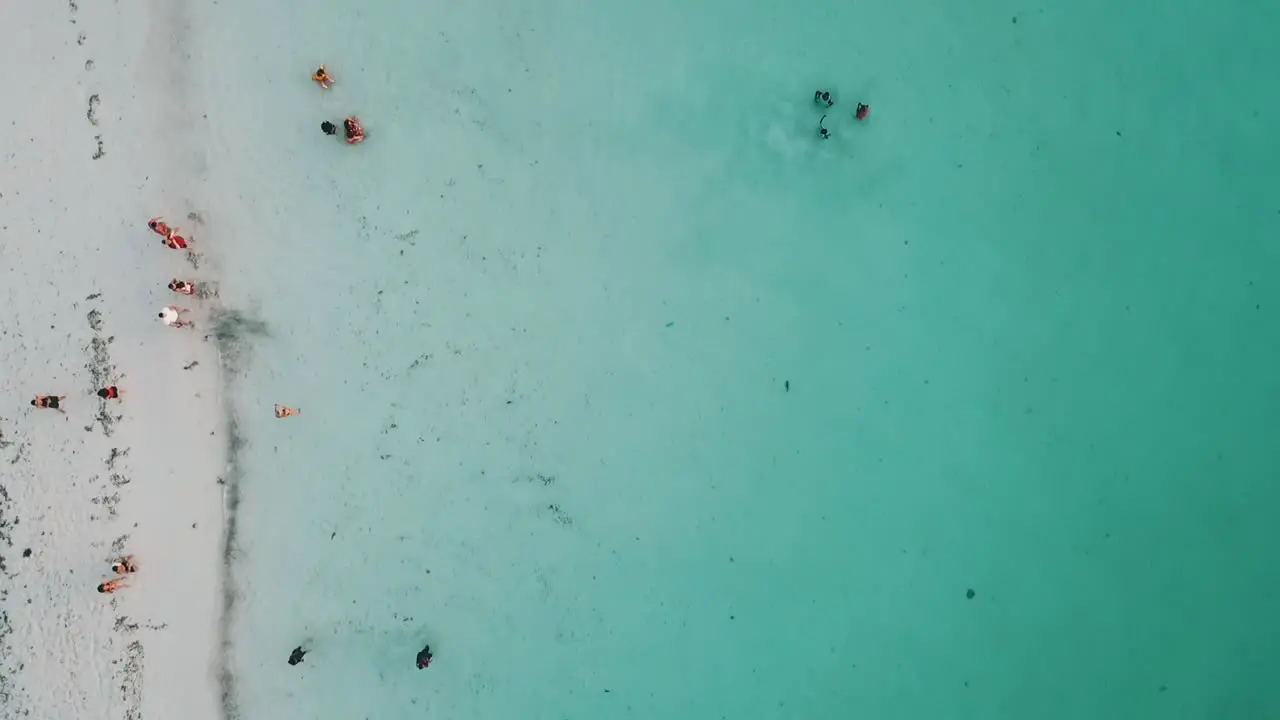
636	399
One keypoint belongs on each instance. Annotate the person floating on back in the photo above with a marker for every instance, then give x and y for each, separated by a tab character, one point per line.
49	402
297	655
182	287
351	127
424	658
322	77
111	392
822	97
862	112
284	412
823	133
111	586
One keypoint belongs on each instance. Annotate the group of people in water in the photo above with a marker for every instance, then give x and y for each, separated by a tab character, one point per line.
423	659
352	130
825	99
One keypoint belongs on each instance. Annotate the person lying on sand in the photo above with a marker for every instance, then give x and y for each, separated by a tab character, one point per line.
182	287
170	316
297	655
284	412
111	586
175	242
49	402
124	566
424	658
110	392
323	77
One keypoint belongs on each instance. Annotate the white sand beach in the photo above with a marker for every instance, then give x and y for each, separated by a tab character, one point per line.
90	149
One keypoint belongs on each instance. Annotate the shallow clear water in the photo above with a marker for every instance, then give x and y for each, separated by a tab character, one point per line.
631	396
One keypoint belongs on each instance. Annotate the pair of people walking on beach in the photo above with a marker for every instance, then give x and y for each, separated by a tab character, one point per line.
172	239
352	130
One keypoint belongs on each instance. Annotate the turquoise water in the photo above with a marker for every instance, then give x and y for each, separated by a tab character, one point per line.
634	398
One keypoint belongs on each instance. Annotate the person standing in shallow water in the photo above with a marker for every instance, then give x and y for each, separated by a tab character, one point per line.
297	655
424	658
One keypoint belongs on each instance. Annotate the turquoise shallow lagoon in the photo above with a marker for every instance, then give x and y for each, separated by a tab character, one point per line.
636	399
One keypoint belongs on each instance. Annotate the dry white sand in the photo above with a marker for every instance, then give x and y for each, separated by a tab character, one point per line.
93	144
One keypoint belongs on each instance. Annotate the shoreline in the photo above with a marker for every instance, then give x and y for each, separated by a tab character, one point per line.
97	147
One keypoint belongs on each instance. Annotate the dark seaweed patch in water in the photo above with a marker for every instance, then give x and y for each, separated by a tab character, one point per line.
234	332
560	516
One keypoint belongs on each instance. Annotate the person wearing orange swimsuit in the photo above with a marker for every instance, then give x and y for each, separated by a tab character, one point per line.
322	77
284	412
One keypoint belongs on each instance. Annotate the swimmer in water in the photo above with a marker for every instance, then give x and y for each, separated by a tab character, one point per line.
322	77
424	658
823	133
49	402
862	111
284	412
355	133
351	129
297	655
822	97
